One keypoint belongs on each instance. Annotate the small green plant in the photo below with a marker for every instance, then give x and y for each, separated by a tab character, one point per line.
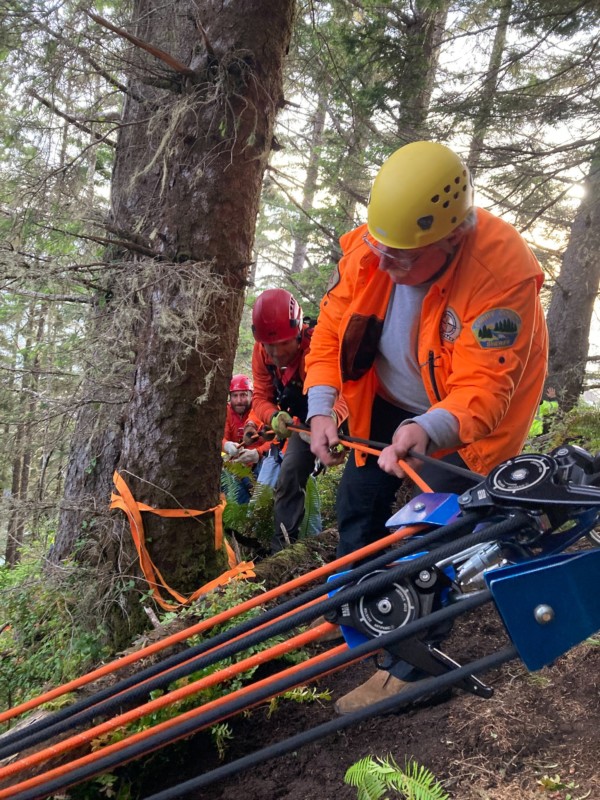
557	784
382	779
301	694
221	734
578	426
43	641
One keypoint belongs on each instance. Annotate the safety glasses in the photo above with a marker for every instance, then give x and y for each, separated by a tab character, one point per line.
405	258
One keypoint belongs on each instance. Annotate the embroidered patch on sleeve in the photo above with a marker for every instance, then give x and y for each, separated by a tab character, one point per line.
450	326
498	327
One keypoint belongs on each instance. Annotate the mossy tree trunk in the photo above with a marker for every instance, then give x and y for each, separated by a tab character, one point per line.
575	295
194	142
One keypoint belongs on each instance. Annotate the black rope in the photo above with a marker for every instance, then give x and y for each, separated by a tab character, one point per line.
436	462
204	718
195	661
387	706
32	735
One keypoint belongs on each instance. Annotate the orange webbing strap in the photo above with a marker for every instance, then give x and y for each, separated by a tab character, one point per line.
126	502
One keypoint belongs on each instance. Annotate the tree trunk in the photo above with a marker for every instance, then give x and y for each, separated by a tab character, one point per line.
424	32
311	182
574	296
186	185
490	87
23	444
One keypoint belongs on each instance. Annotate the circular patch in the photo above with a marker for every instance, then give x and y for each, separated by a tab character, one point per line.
497	328
450	326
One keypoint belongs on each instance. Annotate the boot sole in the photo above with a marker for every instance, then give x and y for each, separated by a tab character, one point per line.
429	701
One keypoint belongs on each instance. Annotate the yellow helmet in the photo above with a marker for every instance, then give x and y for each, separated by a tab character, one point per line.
420	195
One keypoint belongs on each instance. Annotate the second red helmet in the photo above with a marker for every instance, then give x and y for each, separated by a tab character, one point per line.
240	383
276	317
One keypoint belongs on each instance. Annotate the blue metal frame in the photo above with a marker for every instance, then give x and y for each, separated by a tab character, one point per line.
548	604
430	508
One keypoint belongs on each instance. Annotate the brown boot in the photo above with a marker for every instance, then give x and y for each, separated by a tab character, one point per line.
333	635
378	687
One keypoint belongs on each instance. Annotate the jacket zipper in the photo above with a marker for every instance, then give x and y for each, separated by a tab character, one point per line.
431	365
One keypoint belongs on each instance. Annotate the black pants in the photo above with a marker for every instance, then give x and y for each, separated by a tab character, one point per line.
290	490
366	494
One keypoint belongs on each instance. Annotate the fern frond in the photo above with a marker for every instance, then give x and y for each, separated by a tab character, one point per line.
373	777
419	783
311	522
364	775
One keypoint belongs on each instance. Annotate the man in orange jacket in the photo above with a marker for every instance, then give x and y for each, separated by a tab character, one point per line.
433	329
282	343
236	421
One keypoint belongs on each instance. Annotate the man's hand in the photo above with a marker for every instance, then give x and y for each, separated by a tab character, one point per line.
324	440
280	422
406	437
231	449
247	457
250	434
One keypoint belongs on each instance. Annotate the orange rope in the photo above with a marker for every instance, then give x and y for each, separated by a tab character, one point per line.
95	756
230	641
414	476
204	625
363	448
227	673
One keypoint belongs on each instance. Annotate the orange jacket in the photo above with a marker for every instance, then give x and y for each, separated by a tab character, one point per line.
483	344
234	429
265	375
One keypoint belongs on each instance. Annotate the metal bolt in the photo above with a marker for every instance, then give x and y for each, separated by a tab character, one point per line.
424	576
543	614
384	606
518	474
418	506
562	452
465	498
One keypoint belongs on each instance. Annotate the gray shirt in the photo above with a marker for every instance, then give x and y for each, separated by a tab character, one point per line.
397	368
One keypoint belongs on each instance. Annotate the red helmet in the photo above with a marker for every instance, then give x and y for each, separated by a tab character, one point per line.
240	383
276	317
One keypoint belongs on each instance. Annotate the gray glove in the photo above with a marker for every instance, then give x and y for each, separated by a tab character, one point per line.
231	449
247	456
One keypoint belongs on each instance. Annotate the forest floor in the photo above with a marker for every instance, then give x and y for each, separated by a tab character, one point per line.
537	737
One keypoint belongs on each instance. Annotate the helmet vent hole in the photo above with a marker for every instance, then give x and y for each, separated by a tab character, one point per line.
465	188
457	179
454	220
446	204
425	223
447	188
456	195
435	198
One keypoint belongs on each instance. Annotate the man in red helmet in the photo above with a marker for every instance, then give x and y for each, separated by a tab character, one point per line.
282	342
237	419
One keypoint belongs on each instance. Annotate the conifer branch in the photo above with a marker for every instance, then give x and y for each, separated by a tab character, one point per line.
72	120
